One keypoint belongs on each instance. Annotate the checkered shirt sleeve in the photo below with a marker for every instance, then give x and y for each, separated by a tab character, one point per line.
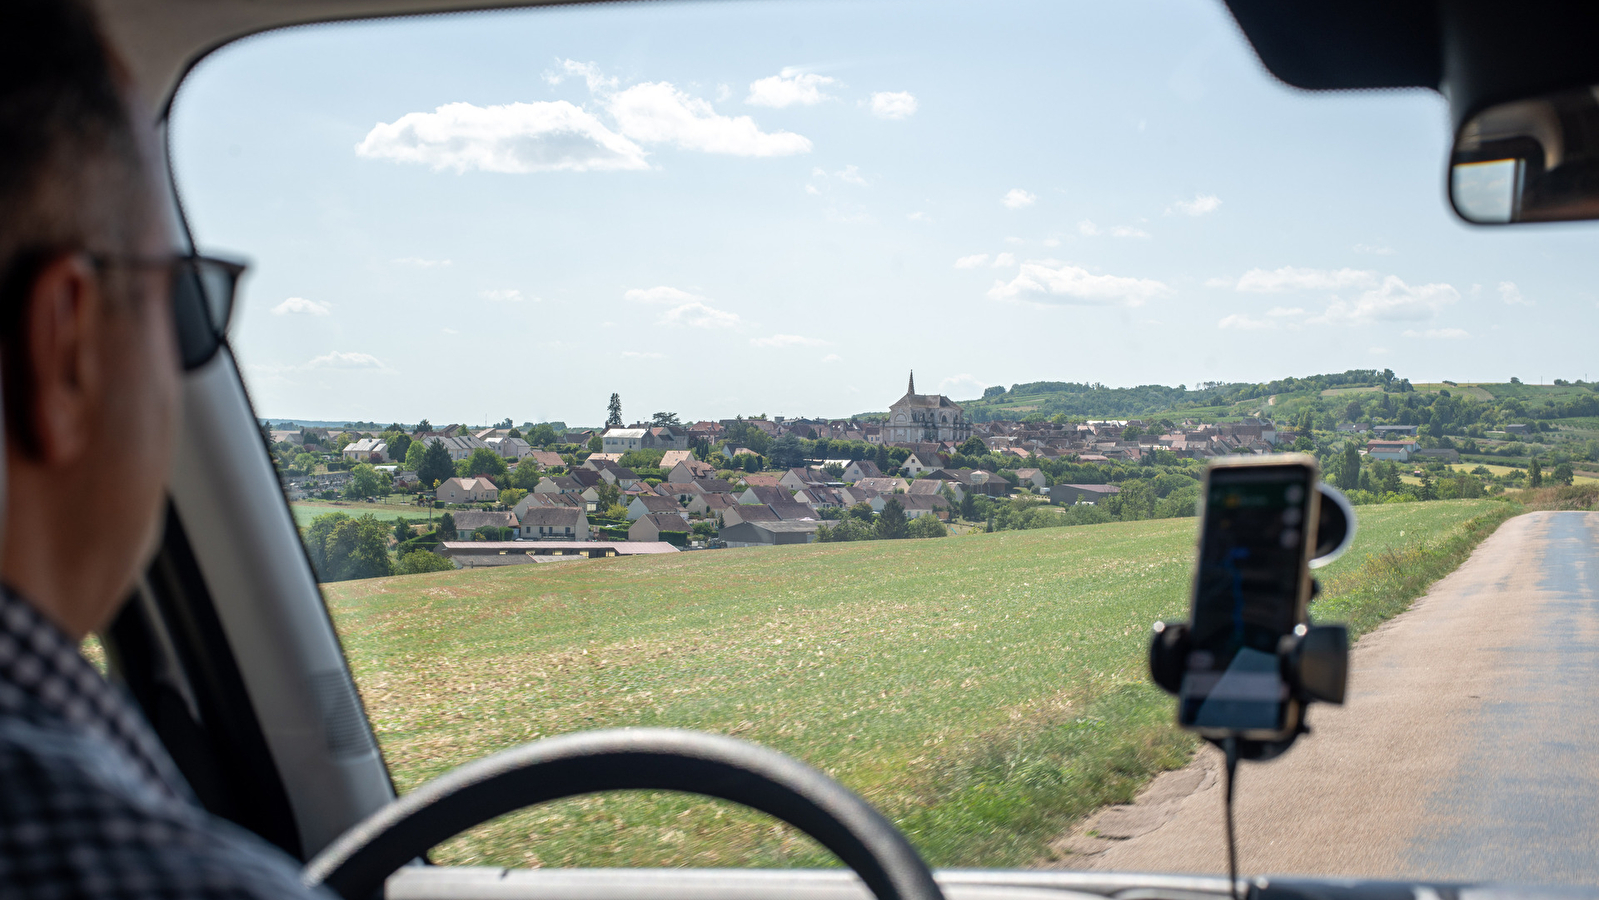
91	806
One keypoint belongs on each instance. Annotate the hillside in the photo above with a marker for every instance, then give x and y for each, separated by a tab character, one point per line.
982	690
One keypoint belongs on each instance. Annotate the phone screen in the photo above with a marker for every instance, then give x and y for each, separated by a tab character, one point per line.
1252	568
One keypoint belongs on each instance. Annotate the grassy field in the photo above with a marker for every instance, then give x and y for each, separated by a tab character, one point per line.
984	691
305	511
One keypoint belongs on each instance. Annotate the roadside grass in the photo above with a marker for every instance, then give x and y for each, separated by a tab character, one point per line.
1583	495
984	692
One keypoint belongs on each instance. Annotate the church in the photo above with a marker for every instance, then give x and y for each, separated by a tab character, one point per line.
917	418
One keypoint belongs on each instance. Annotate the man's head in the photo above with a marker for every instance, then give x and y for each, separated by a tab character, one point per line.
86	336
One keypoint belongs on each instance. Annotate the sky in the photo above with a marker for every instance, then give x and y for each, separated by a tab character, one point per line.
783	207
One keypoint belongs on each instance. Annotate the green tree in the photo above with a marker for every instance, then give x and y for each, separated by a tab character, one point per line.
596	444
511	496
787	452
399	445
974	446
366	483
525	476
402	530
1429	487
926	526
418	562
485	463
414	455
891	521
342	548
1135	501
446	527
1534	474
435	466
304	463
424	427
543	436
1348	477
610	494
613	412
664	418
1562	474
1391	482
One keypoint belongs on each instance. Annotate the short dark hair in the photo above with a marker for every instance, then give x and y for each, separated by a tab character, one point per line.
71	163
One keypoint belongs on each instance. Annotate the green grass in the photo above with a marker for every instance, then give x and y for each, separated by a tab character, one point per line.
984	691
305	511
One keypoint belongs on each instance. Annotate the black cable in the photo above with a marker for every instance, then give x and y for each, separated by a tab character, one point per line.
1230	748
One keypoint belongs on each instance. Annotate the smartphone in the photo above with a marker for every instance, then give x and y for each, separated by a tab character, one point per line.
1251	588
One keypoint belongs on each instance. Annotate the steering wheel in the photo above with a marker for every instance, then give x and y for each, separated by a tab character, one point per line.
357	863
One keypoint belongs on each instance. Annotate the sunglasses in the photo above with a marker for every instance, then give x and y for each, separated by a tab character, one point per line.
203	291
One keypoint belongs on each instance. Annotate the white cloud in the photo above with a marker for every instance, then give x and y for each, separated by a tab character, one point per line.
340	360
657	112
1511	294
301	306
1004	259
699	315
812	189
1288	278
421	263
832	358
787	88
686	309
851	174
1046	283
1444	334
1016	198
589	72
450	331
1051	242
972	262
506	295
637	354
1244	322
516	138
1202	204
1087	228
1283	311
1128	231
1374	249
919	216
893	104
1393	301
787	340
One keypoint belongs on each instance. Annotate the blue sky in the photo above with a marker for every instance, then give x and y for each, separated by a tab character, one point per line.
781	207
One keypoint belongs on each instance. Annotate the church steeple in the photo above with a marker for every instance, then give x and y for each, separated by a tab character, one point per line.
911	388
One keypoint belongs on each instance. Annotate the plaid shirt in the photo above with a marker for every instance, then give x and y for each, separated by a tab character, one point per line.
90	803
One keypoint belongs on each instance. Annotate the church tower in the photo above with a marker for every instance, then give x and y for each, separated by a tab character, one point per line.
911	388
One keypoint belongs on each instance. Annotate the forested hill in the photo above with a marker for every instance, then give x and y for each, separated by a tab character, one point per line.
1045	399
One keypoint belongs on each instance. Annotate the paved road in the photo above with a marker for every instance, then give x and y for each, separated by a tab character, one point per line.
1468	750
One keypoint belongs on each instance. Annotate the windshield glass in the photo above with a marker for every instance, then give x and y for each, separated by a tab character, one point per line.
840	377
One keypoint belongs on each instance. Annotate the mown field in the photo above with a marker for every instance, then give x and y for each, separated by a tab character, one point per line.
984	691
305	511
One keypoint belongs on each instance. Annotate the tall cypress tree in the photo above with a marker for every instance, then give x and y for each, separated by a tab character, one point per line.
613	415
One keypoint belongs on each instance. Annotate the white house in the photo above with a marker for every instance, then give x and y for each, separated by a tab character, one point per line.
509	447
467	490
367	450
553	523
621	440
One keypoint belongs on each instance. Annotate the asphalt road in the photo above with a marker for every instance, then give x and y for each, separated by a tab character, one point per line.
1468	749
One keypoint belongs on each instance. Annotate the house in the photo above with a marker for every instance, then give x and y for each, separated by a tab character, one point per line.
669	527
680	493
916	505
934	487
1451	456
642	437
1034	477
671	458
737	513
884	485
469	521
509	447
791	511
1389	431
798	479
818	496
754	495
459	448
650	504
711	505
367	450
1398	451
760	480
1509	429
1072	494
570	501
714	486
612	473
685	470
467	490
861	468
768	534
553	523
546	459
621	440
922	461
925	417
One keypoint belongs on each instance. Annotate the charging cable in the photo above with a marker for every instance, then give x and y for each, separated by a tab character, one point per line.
1230	748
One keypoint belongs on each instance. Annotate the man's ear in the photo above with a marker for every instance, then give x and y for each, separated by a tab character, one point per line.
62	331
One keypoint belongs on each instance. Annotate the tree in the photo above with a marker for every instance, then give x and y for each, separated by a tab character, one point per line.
974	446
525	476
423	427
418	562
402	530
613	412
485	463
752	463
510	497
543	436
435	466
399	445
366	483
596	444
1131	433
1562	474
446	528
1429	487
414	455
304	463
1534	474
342	548
891	521
1349	472
926	526
787	452
610	494
662	418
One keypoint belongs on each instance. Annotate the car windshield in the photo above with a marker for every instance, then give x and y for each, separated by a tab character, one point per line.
841	377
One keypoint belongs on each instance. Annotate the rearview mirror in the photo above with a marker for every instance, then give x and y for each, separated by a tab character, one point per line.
1534	160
